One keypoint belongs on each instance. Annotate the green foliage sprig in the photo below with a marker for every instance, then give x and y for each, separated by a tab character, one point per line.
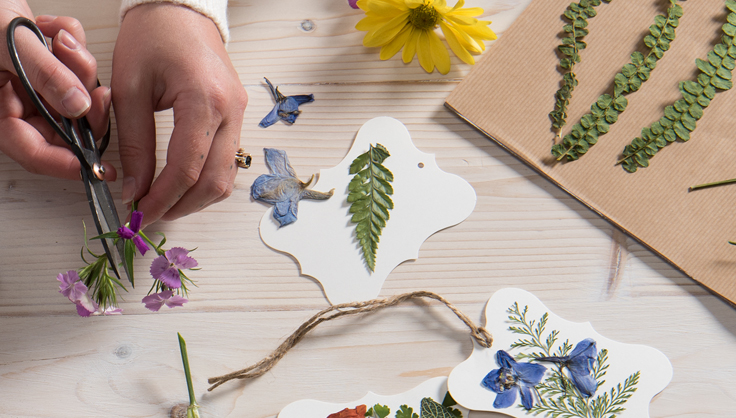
577	14
680	119
369	192
606	110
558	397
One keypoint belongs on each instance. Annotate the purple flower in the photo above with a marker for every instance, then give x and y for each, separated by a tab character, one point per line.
71	285
166	267
155	301
579	363
282	188
513	377
287	107
353	4
124	232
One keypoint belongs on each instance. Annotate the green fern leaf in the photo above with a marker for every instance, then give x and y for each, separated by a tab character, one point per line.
369	194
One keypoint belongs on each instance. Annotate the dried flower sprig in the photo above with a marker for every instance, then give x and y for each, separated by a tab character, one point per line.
606	110
680	119
577	14
95	291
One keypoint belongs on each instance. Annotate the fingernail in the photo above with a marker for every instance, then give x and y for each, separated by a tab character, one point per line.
75	102
128	190
45	18
68	40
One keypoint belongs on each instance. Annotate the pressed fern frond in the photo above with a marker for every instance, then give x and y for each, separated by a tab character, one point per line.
606	110
369	192
681	118
577	14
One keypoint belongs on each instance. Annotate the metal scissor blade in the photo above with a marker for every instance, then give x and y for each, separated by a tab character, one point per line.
106	220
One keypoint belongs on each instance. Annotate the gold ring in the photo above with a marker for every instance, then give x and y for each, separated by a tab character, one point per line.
242	158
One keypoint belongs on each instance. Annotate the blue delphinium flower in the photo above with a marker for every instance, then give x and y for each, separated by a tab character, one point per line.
580	364
286	108
282	188
513	377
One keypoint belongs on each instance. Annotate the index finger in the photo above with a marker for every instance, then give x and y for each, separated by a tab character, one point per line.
195	125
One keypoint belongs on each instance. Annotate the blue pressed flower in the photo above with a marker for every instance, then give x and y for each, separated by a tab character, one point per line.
282	188
286	108
513	377
580	364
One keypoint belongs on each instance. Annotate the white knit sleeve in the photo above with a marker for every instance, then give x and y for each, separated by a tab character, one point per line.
214	9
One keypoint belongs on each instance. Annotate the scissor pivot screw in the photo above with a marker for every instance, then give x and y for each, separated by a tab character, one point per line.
99	171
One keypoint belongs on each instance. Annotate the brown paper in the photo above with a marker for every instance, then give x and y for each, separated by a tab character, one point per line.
509	94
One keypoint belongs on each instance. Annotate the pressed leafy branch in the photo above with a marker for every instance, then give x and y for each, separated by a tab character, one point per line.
680	118
577	14
606	110
369	195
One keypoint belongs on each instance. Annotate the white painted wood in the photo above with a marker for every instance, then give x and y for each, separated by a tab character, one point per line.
524	232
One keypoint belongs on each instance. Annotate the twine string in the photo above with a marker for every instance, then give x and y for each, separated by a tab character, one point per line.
480	335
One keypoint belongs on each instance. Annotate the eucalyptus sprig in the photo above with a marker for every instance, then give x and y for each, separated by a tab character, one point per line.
369	193
606	110
577	14
680	118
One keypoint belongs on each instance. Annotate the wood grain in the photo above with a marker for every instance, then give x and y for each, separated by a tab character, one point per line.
523	233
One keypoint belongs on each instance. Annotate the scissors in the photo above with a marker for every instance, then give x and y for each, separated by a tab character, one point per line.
84	147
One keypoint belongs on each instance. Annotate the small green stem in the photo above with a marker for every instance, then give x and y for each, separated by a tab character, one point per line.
706	185
187	372
148	240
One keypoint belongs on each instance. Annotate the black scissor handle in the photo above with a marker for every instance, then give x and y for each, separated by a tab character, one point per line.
68	134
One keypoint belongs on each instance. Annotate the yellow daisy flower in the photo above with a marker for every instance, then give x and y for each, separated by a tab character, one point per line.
410	24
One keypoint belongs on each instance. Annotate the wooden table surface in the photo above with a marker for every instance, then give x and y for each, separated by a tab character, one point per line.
524	232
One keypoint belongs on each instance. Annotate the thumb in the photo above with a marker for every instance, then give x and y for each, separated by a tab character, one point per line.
56	83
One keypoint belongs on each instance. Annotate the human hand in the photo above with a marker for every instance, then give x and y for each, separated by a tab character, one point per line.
168	56
66	80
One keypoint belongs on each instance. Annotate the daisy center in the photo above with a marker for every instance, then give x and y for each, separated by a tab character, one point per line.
424	17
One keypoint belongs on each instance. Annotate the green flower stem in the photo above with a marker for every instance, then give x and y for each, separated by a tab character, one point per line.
714	184
156	248
193	410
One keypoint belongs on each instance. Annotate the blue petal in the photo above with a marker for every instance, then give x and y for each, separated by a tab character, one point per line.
527	398
278	162
271	118
530	373
505	360
290	117
290	105
584	348
303	98
285	212
492	381
585	383
554	359
505	399
273	91
265	187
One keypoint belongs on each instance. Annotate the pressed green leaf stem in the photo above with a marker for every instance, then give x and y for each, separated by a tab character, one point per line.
680	118
577	14
606	110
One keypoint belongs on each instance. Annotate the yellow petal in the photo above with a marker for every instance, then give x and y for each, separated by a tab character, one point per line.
440	56
470	11
391	48
387	32
458	5
466	40
480	32
411	45
413	4
461	20
384	8
371	23
455	44
424	52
